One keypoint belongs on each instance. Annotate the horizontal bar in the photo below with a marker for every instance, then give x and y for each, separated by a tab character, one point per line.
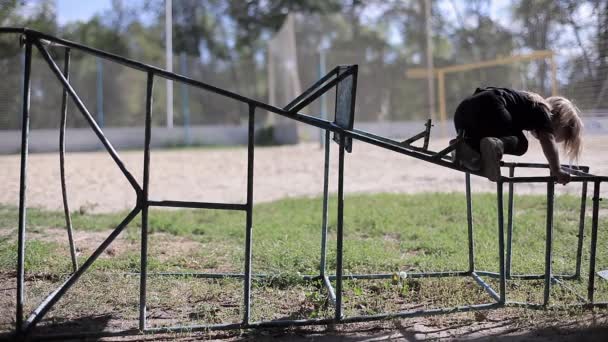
564	306
486	286
583	168
12	30
420	313
197	205
409	275
218	275
546	179
526	276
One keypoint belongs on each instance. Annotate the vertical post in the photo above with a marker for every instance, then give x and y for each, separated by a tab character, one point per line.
322	266
144	205
323	103
549	242
249	224
430	70
470	223
581	231
510	223
25	127
340	229
64	192
594	222
501	241
169	58
185	100
100	114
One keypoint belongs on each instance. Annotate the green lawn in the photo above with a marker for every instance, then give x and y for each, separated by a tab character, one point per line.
383	233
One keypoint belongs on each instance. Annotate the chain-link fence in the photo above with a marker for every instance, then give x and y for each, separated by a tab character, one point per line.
471	47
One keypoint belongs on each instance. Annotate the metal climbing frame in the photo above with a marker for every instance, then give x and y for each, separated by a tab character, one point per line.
344	79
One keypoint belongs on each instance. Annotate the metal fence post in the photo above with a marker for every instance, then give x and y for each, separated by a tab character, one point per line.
549	242
145	205
322	266
470	223
594	223
510	224
249	224
501	241
340	229
581	231
25	127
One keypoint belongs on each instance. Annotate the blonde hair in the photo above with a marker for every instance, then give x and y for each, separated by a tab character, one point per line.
566	115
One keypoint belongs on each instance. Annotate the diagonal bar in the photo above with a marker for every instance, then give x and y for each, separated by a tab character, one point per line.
52	298
321	91
311	88
87	115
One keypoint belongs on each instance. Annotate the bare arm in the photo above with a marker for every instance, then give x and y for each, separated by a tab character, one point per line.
547	141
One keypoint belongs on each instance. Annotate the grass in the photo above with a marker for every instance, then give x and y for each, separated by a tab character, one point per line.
383	233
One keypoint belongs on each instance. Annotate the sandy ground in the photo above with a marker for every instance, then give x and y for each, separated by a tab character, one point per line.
95	184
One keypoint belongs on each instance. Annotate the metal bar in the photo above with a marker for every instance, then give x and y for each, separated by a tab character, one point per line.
594	223
527	276
549	242
25	131
545	179
581	230
12	30
340	229
249	227
321	91
311	88
582	168
422	313
144	204
510	223
501	241
413	139
409	275
486	286
52	298
322	266
427	137
330	290
197	205
408	151
64	192
179	78
470	222
445	151
88	117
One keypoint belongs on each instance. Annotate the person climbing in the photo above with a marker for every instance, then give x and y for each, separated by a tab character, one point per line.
490	123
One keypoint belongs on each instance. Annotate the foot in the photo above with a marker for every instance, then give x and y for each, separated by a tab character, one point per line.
465	156
491	154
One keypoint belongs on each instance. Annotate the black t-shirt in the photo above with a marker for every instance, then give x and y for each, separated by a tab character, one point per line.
511	110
